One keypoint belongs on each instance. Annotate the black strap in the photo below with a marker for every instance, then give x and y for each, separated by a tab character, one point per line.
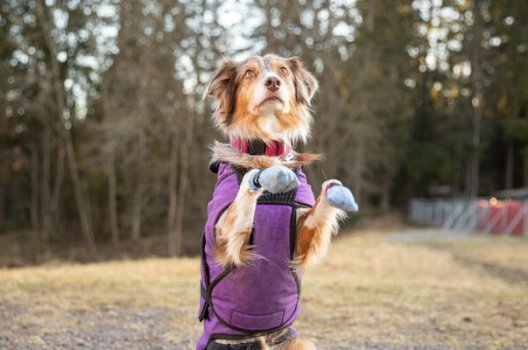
240	172
204	263
207	290
203	313
293	232
289	334
218	278
255	345
214	167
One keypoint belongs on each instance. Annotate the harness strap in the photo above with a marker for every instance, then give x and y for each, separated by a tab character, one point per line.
203	313
255	345
293	232
207	291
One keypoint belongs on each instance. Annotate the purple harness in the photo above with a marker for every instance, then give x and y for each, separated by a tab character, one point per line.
265	295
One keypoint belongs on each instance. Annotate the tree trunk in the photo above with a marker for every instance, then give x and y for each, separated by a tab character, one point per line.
112	193
270	32
359	160
508	178
45	185
359	151
182	189
111	166
176	230
477	101
58	84
371	15
138	194
178	208
2	203
174	235
136	212
54	211
385	193
81	204
34	212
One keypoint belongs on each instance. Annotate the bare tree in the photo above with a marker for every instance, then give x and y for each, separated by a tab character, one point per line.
58	85
472	176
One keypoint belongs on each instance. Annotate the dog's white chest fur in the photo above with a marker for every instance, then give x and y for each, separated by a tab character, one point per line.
270	124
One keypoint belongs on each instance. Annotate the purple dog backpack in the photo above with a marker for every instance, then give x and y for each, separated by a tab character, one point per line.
263	296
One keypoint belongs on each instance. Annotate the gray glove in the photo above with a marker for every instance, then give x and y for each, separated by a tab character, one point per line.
275	179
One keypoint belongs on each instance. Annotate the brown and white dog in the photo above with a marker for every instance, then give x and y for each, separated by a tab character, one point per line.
268	99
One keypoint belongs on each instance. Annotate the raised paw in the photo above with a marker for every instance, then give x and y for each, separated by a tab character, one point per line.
339	196
275	179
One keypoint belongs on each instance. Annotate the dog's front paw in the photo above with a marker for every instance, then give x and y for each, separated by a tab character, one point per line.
339	196
276	179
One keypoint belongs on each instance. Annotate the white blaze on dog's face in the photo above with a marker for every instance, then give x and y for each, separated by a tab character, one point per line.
269	95
263	97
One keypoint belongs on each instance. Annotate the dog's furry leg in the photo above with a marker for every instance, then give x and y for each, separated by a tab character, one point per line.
234	226
316	225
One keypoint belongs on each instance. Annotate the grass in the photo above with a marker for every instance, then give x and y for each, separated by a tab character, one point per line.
374	290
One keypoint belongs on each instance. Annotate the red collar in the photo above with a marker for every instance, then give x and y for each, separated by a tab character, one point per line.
259	147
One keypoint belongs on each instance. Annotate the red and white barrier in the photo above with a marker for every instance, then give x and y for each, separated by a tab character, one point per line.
490	215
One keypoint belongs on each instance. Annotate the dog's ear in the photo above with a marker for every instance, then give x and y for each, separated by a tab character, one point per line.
305	83
222	87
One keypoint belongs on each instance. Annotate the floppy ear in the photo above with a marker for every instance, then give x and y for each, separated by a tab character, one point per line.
222	87
305	83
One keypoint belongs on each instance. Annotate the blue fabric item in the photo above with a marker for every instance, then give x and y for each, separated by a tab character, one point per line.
340	197
278	179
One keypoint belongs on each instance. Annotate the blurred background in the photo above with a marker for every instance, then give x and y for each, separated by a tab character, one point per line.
104	136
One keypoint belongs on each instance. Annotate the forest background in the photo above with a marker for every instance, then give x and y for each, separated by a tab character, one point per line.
104	135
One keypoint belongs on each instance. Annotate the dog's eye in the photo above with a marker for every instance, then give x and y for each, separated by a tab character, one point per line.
283	70
249	74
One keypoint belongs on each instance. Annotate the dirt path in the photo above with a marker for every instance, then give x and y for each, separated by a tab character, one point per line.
399	290
98	328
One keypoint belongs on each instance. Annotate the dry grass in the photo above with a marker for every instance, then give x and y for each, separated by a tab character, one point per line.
387	291
379	290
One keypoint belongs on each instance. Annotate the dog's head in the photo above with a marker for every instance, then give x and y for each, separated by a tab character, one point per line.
265	98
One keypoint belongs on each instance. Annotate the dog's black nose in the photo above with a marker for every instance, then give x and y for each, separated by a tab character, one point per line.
273	83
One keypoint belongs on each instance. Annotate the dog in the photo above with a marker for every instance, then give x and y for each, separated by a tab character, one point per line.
264	226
